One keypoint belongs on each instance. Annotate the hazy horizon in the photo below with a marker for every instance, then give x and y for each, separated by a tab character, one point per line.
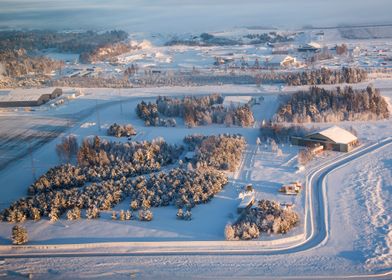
168	16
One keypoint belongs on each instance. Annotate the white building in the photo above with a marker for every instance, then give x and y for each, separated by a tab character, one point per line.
238	100
333	138
278	61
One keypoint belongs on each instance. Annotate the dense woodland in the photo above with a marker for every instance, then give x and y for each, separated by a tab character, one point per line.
74	42
268	217
340	104
207	39
17	68
100	160
326	76
195	111
221	152
179	187
109	172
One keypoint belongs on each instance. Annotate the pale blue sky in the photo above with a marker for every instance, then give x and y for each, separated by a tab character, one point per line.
187	15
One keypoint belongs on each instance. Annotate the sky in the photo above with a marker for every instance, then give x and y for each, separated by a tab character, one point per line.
181	16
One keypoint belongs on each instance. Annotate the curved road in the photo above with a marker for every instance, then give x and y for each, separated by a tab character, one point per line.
316	224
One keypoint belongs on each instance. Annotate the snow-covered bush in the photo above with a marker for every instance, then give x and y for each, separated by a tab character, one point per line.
145	215
267	217
117	130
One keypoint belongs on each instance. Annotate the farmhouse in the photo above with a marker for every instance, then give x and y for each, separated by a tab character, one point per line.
334	138
28	97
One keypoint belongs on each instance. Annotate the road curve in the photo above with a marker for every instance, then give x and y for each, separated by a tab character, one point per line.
316	225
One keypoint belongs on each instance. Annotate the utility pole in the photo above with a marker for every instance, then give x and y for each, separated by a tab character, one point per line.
32	162
121	101
97	112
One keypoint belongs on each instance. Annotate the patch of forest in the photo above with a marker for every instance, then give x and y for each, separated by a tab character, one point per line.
179	187
74	42
100	160
325	76
195	111
109	172
219	151
18	68
207	39
340	104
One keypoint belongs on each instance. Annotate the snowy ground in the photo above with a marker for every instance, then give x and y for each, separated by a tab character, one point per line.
348	253
358	193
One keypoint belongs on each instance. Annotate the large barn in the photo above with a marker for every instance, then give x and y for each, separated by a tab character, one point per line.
334	138
28	97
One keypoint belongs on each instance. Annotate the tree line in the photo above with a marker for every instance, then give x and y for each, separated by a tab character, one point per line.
340	104
325	76
195	111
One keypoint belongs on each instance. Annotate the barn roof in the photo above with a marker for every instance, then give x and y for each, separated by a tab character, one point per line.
17	95
336	134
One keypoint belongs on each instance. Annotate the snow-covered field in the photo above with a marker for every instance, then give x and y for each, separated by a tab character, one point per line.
359	231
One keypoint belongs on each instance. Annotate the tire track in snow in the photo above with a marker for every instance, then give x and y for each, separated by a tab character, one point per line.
379	211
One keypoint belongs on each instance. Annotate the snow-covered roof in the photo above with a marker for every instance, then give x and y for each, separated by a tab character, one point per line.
277	59
336	134
24	94
246	201
236	100
314	45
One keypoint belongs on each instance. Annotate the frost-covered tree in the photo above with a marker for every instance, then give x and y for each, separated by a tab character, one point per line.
229	232
122	215
180	214
19	235
145	215
68	148
74	214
